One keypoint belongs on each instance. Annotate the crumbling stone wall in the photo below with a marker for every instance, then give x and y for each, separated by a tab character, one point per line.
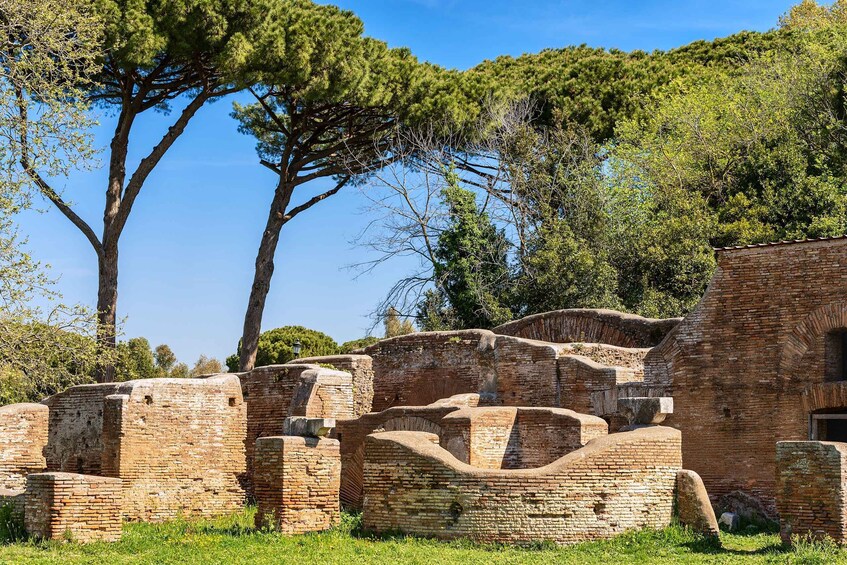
738	365
590	326
360	368
178	446
67	506
616	483
585	383
516	438
420	368
297	481
23	435
811	490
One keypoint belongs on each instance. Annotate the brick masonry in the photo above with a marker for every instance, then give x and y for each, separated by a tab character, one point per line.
177	443
592	326
421	368
739	365
297	481
23	436
71	507
178	446
360	368
516	438
616	483
811	490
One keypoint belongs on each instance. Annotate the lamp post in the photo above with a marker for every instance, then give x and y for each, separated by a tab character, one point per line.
296	349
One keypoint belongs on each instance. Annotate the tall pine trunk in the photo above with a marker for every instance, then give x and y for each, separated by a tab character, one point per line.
262	278
107	303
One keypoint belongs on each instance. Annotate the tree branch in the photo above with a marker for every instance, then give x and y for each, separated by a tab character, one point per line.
306	205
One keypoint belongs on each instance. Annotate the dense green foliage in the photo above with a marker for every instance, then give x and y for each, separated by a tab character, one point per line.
235	540
277	346
599	88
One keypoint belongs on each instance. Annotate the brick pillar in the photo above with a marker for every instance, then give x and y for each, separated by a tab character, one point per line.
66	506
297	481
811	485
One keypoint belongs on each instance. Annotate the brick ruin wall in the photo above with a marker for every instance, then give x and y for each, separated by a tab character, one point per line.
418	369
738	365
516	438
297	481
360	368
23	435
323	393
67	506
352	434
178	444
590	326
811	489
614	484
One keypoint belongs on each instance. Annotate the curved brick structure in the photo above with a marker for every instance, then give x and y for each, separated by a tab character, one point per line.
23	435
590	326
747	367
616	483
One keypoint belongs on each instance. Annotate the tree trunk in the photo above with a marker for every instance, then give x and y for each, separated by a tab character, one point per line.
107	302
262	279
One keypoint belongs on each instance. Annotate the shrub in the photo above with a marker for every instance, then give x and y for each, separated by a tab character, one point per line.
362	342
277	346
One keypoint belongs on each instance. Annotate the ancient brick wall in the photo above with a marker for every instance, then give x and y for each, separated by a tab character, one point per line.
323	393
67	506
525	372
268	392
590	326
178	446
616	483
584	383
811	489
352	434
23	435
738	365
297	480
361	369
516	438
75	430
420	368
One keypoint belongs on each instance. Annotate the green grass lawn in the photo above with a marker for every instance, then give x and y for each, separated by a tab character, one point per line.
234	540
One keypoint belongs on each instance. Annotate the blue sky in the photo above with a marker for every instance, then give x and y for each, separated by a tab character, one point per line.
187	253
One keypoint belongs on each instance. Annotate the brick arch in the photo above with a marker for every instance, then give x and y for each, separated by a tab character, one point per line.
815	325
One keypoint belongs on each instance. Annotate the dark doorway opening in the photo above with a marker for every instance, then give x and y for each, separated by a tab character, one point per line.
836	355
829	426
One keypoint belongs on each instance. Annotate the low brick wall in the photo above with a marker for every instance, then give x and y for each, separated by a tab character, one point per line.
352	434
811	489
516	438
616	483
591	326
67	506
361	369
23	436
297	481
585	383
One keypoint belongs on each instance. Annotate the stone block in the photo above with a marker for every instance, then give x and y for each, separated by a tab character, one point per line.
71	507
692	504
644	411
308	427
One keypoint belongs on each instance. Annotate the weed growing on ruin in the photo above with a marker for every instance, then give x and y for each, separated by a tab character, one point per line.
11	525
